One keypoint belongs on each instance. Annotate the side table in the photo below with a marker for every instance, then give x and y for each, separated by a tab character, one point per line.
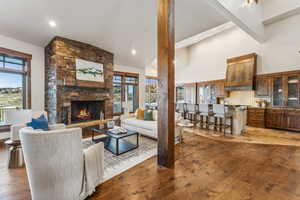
15	154
182	126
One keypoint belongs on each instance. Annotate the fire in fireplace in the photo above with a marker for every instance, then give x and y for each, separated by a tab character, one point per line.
83	111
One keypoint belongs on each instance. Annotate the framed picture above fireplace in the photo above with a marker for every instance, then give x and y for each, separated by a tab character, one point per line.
89	71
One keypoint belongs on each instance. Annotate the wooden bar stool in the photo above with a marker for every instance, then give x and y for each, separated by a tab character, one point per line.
221	115
204	114
191	112
181	108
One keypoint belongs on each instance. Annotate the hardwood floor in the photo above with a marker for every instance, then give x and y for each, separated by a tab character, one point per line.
204	169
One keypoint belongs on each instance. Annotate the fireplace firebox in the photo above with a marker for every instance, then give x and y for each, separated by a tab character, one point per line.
83	111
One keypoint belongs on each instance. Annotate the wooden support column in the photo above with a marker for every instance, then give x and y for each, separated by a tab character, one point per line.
165	60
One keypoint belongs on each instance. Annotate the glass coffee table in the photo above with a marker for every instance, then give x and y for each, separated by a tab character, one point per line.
117	144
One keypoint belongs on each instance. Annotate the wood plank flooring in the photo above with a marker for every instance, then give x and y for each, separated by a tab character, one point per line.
204	169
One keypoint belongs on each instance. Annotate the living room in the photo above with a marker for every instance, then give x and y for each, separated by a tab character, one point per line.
149	100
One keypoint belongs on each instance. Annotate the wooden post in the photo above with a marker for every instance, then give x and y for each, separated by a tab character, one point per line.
165	60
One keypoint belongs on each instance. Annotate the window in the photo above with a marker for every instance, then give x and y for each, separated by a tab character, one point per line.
151	93
179	94
125	93
14	80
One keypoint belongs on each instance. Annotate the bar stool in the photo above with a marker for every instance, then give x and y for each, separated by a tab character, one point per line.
181	108
221	115
204	114
191	112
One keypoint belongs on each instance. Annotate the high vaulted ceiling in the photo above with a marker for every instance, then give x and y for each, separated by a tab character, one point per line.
114	25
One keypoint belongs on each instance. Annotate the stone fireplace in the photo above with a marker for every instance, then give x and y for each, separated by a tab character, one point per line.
69	100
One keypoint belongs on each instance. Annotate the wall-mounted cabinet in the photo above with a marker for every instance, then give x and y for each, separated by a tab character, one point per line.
263	86
209	91
282	88
186	93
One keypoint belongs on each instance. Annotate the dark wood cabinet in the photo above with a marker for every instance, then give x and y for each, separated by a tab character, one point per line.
263	86
220	87
292	118
275	118
278	118
256	117
209	91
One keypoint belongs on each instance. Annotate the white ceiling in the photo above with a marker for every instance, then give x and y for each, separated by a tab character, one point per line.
114	25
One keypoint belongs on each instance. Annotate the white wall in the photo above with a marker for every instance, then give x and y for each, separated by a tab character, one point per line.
37	68
141	72
273	8
207	59
247	17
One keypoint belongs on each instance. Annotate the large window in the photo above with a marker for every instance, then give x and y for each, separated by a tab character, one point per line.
14	80
125	92
179	94
151	92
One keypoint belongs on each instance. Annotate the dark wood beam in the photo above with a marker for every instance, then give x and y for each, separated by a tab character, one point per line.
165	60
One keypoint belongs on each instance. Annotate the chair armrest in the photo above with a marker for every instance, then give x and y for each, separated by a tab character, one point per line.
57	126
14	131
94	166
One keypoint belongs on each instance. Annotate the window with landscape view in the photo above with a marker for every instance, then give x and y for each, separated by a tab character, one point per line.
151	92
13	85
125	92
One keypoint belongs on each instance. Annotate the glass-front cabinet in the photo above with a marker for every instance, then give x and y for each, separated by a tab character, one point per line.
286	90
278	91
293	91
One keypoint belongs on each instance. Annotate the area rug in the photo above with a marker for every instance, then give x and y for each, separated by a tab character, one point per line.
114	165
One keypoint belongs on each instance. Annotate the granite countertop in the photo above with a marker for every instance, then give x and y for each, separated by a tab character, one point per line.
279	108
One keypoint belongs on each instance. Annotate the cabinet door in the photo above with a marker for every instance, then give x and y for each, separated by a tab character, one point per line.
293	91
263	86
292	120
221	89
256	117
274	118
278	95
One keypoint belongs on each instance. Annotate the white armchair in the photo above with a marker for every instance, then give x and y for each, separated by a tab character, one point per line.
19	118
58	167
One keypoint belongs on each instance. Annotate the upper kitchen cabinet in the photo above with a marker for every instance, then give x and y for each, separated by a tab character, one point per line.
263	86
286	90
209	91
190	93
293	90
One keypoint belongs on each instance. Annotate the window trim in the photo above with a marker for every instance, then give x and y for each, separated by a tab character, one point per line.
26	72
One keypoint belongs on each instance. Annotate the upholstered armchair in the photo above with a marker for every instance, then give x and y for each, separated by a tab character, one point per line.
57	165
19	118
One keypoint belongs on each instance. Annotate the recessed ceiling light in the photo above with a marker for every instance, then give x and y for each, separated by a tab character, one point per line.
133	52
52	23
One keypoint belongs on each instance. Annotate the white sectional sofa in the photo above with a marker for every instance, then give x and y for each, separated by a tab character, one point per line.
147	128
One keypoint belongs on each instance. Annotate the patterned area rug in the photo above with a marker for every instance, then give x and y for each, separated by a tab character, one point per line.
114	165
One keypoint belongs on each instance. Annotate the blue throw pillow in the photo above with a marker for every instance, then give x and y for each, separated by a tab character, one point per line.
39	123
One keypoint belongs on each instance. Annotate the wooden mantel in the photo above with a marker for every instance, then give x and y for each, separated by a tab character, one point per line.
165	57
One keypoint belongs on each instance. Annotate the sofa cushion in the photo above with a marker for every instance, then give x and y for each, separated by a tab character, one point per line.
148	116
148	125
154	114
140	113
39	123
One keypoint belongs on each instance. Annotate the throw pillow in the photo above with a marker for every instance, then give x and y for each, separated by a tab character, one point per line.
154	112
39	123
140	114
148	115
